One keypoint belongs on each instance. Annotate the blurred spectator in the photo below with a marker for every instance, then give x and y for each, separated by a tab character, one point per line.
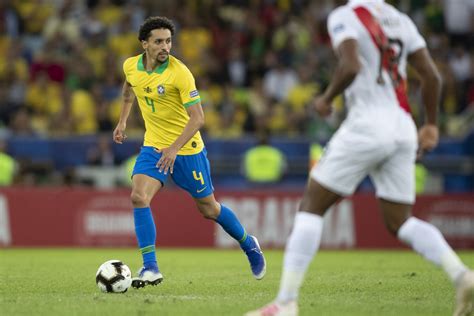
263	163
34	15
123	39
256	47
43	98
299	98
433	11
257	64
7	106
9	19
8	165
102	154
97	54
49	61
127	169
92	24
461	66
108	13
104	122
257	101
421	173
194	42
237	68
316	151
279	80
20	123
83	112
61	124
231	116
460	63
459	17
64	23
80	72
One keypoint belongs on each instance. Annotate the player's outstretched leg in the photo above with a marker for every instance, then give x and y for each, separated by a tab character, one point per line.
300	250
145	230
428	241
301	247
249	244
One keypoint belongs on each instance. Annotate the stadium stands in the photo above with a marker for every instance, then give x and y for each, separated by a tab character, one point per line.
60	79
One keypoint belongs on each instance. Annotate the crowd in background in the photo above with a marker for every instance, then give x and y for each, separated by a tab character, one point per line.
257	63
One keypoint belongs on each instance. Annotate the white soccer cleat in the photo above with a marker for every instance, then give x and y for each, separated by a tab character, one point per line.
147	277
465	295
276	309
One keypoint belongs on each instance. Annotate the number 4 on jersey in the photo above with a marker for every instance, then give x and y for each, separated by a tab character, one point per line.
151	103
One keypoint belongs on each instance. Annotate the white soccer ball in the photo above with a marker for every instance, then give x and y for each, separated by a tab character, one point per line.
113	276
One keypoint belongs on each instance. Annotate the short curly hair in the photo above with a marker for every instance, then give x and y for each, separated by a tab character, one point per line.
152	23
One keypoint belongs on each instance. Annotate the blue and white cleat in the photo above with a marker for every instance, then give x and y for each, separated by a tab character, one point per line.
147	276
257	260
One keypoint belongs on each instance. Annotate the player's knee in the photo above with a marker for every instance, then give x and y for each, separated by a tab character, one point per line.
139	199
208	210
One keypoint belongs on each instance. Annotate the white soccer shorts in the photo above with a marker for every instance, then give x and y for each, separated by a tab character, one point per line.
350	156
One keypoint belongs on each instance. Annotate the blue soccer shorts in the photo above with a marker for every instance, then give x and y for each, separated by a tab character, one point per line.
190	172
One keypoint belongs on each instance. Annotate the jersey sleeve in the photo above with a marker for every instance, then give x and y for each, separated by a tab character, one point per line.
414	39
341	26
126	69
187	88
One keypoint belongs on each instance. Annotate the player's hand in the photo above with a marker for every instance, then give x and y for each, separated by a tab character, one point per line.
323	106
428	137
119	133
166	162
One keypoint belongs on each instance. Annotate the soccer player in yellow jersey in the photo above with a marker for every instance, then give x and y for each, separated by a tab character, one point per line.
171	108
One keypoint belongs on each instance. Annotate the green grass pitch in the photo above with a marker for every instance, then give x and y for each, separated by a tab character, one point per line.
219	282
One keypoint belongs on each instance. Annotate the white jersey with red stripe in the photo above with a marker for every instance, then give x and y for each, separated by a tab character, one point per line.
376	89
378	138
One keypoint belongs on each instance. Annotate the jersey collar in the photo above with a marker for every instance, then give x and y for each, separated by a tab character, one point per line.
159	70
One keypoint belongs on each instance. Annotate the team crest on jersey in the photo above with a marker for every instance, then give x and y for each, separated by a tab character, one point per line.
161	89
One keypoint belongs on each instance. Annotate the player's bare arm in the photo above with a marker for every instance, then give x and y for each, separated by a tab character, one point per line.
348	67
196	121
430	79
127	101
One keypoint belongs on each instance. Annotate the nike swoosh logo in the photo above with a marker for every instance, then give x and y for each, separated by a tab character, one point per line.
199	191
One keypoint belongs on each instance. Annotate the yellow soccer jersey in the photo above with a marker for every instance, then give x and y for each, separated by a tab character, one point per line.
163	96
